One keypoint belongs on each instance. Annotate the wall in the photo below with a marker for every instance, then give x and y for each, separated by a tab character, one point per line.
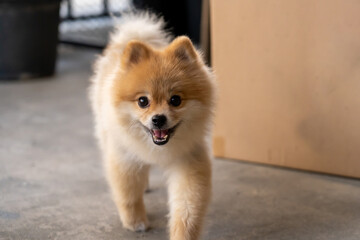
289	82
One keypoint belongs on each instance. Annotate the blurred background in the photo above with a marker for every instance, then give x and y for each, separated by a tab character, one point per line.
31	30
286	136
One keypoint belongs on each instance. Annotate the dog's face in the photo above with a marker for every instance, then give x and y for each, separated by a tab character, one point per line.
160	93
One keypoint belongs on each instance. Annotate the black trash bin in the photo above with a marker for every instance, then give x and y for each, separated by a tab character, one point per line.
28	38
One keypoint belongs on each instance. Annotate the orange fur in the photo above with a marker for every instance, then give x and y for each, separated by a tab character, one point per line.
137	68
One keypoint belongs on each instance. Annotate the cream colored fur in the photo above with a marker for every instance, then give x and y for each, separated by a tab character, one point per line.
128	150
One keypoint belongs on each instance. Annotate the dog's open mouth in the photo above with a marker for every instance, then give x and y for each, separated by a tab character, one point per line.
162	136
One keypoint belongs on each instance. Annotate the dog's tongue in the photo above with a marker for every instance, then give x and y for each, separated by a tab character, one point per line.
160	133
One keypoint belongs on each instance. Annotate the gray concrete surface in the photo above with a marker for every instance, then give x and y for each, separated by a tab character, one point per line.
52	185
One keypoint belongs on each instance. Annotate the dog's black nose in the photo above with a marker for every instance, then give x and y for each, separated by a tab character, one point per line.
159	120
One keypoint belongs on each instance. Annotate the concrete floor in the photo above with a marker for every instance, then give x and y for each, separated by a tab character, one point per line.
52	185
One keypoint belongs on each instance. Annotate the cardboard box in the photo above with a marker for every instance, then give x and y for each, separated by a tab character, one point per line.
289	83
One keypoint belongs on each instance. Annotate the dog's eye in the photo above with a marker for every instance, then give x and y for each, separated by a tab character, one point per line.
175	100
143	102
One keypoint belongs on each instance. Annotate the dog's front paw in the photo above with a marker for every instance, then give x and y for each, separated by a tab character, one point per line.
140	225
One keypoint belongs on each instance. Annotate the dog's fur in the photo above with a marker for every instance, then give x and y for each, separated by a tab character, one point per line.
140	60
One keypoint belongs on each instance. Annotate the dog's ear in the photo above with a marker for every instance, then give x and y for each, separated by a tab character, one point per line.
135	52
183	49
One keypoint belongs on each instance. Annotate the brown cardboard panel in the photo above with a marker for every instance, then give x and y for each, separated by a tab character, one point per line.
289	82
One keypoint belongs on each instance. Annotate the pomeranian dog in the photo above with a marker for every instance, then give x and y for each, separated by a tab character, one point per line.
153	101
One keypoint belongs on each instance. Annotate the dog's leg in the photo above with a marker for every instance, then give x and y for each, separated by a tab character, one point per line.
189	192
128	182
